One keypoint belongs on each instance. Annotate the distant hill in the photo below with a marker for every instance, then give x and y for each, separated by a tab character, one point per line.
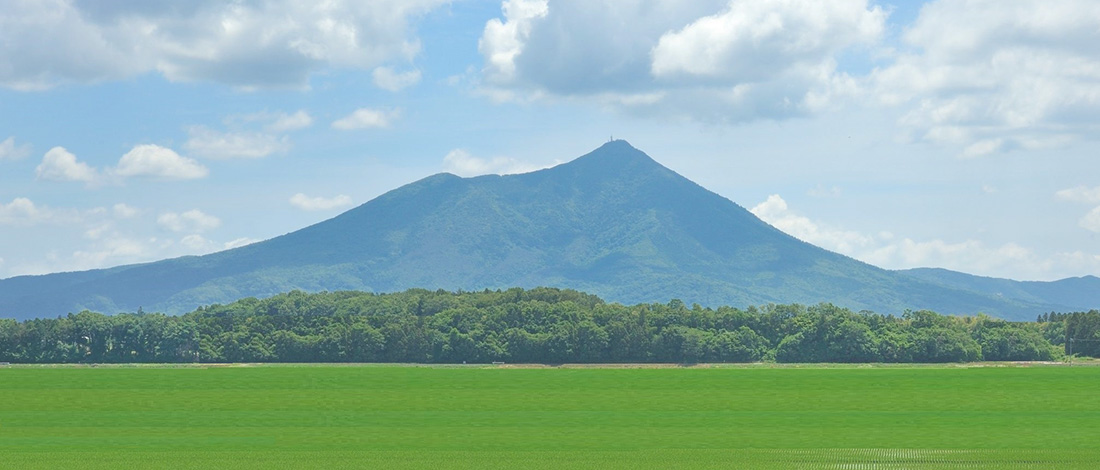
613	223
1074	293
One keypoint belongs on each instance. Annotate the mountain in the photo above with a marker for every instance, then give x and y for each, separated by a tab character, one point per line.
613	222
1074	293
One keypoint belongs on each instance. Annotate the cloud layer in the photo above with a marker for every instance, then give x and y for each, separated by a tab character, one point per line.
721	61
990	76
366	118
209	143
256	44
248	136
981	76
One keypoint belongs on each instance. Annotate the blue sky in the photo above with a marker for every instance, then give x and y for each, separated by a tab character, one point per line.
956	134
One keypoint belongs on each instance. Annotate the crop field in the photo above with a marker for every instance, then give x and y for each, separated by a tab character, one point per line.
947	417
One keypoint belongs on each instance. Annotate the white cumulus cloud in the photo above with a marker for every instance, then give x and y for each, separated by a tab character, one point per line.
1080	194
366	118
731	60
284	122
10	151
254	44
156	161
984	77
1091	221
754	41
387	78
317	203
59	164
460	162
774	211
503	40
194	221
20	211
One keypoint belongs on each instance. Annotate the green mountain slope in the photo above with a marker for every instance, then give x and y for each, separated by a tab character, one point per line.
613	223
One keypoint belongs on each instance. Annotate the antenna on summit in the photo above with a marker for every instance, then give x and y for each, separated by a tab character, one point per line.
611	138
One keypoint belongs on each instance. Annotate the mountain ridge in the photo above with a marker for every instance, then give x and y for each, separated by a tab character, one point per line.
613	222
1079	292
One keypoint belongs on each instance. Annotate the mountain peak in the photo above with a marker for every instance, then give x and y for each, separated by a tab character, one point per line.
618	143
617	148
616	156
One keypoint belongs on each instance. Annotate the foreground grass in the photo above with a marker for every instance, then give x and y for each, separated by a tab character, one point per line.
417	417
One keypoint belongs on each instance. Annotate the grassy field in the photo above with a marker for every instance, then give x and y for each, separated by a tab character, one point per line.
467	417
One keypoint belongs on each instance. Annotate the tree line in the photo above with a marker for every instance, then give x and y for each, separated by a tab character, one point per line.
541	325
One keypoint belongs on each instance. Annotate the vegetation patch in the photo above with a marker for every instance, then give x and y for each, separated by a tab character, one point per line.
542	325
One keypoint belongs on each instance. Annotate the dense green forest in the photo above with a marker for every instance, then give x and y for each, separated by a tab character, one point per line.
542	325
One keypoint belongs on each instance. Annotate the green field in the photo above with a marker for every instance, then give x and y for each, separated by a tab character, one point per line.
469	417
